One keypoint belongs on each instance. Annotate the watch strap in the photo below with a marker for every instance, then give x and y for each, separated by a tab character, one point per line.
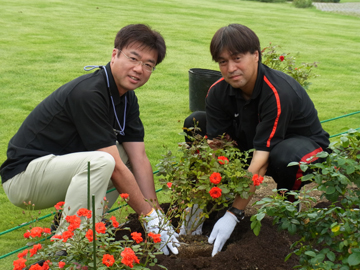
239	214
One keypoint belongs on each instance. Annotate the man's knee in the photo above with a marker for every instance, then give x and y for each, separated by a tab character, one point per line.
197	118
102	160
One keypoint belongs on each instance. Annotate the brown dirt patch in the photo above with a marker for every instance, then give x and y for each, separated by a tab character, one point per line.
244	250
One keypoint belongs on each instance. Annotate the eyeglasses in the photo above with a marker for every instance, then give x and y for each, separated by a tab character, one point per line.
147	66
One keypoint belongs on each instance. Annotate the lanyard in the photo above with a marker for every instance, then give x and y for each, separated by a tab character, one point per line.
122	128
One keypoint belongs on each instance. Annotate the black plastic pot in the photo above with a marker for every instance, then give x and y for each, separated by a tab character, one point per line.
200	81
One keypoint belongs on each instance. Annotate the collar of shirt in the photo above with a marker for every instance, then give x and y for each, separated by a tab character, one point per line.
258	85
113	88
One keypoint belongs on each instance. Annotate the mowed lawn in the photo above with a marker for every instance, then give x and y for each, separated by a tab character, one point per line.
44	44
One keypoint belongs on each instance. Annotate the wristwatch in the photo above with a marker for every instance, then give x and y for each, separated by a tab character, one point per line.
239	214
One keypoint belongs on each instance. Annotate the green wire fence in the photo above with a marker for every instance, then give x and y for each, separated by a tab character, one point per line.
335	118
51	214
46	216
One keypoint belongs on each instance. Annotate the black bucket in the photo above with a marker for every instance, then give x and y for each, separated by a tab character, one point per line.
200	81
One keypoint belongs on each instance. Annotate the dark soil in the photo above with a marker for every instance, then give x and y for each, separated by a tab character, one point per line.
242	251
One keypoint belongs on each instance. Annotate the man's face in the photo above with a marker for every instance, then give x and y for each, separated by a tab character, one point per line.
126	70
239	70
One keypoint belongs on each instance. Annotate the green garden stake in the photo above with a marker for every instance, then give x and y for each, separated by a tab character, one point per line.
94	234
88	187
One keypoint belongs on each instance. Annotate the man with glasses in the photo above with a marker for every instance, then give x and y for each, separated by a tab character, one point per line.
93	119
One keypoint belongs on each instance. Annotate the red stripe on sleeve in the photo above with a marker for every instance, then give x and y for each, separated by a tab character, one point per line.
278	111
213	85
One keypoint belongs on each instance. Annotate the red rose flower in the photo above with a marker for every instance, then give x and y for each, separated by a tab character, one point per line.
281	58
61	264
22	254
47	230
35	267
155	237
129	257
215	192
74	221
169	184
223	160
66	235
90	235
137	237
215	178
257	179
46	265
36	232
124	196
35	249
27	234
19	264
58	205
83	212
100	227
114	222
108	260
56	236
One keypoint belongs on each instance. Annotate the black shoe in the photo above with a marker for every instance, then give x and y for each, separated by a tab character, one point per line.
56	222
40	263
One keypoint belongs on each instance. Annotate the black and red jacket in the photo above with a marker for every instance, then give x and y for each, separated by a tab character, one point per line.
279	107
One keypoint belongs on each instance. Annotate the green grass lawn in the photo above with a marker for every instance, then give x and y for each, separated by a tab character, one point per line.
44	44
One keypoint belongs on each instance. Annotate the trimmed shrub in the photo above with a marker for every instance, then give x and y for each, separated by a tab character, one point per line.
273	1
302	3
328	1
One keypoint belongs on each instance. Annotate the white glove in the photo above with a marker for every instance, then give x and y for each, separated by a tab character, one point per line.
156	223
192	218
221	232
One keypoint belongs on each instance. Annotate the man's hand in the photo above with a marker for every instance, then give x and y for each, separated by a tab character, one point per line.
156	223
192	221
222	231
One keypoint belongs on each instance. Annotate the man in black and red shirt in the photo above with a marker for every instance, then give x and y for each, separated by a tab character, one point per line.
261	109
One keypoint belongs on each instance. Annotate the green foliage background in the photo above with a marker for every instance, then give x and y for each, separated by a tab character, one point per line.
44	44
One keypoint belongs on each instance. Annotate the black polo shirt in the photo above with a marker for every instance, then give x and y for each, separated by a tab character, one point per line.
278	108
79	116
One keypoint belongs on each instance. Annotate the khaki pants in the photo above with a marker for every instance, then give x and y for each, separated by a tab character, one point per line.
51	179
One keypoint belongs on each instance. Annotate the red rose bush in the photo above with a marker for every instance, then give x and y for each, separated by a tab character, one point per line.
204	178
73	247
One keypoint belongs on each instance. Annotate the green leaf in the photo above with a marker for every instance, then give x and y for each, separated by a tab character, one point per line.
257	229
330	190
260	216
354	259
288	257
304	167
350	169
331	256
294	163
307	177
292	229
322	154
310	253
295	221
345	141
202	187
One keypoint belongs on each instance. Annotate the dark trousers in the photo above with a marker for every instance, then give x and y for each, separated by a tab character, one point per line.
294	148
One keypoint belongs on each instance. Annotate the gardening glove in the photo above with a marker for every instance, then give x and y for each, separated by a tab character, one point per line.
192	215
222	231
156	222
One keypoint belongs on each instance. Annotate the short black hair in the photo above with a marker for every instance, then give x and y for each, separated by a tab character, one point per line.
236	38
143	34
